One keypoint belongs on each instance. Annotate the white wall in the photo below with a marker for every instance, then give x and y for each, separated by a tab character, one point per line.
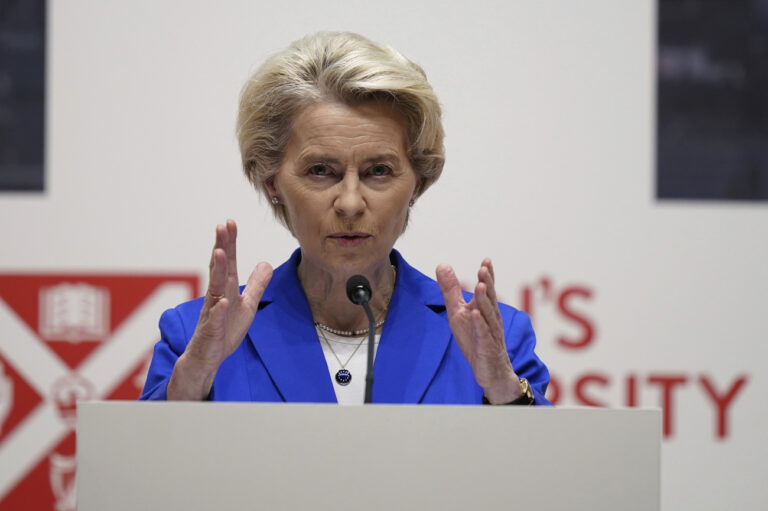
549	113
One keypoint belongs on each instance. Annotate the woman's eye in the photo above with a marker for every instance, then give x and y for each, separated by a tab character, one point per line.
380	170
320	170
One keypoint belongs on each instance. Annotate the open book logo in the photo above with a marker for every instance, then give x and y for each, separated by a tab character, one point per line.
74	312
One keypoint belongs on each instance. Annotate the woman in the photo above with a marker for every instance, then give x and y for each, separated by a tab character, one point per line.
343	136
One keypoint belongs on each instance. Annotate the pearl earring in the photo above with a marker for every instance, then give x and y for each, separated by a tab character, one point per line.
275	201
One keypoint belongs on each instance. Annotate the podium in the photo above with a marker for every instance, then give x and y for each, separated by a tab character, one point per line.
238	456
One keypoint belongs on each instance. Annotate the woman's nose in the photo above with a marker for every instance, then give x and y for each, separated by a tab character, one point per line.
349	201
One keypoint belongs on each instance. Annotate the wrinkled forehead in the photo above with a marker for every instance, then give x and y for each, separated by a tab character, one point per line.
354	130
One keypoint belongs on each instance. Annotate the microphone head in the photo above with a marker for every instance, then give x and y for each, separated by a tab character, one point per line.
358	289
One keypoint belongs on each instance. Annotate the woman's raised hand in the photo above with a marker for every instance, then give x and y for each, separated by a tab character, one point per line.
479	331
224	318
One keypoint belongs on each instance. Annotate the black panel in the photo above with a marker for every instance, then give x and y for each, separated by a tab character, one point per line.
22	94
712	133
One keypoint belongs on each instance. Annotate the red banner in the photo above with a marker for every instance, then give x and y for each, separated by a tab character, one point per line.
67	338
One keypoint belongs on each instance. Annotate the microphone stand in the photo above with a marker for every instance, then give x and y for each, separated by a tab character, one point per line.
371	347
359	292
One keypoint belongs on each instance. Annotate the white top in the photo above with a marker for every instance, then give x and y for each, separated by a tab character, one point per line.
354	392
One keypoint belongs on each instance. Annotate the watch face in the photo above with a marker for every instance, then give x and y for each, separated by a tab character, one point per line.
527	392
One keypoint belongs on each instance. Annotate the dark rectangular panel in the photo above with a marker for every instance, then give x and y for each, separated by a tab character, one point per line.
22	94
712	110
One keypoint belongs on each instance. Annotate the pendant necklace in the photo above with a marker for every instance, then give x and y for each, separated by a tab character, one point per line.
343	376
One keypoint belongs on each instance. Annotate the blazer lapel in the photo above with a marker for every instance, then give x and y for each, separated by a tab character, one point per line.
414	340
285	338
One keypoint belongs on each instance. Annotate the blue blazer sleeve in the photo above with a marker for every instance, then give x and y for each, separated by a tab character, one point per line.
521	342
173	341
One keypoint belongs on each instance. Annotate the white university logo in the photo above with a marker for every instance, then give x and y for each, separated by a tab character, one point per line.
74	312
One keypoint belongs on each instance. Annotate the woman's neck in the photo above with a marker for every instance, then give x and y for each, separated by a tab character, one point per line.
326	292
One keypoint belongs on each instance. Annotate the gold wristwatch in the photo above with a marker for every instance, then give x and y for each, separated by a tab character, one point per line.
526	398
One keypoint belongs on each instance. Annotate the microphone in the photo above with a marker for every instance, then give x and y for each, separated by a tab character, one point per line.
358	289
359	293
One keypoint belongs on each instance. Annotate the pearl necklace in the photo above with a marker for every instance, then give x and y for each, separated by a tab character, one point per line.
354	333
346	333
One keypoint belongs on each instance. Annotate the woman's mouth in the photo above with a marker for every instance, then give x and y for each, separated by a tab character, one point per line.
349	239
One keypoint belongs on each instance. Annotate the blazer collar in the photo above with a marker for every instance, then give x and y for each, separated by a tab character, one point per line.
284	336
415	338
413	342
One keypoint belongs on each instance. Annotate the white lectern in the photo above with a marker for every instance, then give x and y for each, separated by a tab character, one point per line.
247	456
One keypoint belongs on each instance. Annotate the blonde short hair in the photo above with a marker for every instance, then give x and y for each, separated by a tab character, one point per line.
343	67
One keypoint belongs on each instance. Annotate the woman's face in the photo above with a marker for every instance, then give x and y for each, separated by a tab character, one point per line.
345	183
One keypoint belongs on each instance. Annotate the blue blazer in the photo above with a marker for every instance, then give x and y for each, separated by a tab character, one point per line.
281	358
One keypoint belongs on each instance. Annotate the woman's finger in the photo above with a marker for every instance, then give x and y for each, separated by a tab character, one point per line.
257	283
219	243
450	287
231	248
217	280
488	308
489	264
485	275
